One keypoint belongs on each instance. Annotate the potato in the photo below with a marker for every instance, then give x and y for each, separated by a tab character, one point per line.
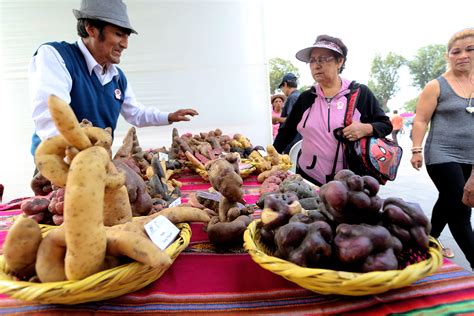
50	259
35	205
227	233
49	159
117	209
66	122
178	214
83	213
137	247
21	244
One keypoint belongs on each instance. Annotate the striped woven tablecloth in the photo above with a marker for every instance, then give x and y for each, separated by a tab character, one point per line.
203	281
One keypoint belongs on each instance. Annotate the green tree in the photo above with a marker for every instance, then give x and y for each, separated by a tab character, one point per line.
410	106
304	88
384	77
278	68
428	64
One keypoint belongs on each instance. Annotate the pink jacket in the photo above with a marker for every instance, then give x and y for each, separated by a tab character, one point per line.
316	126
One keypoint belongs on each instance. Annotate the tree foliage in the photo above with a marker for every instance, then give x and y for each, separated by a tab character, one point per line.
410	106
428	64
278	68
384	77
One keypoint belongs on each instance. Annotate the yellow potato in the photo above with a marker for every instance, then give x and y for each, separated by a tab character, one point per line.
137	247
50	259
117	209
99	137
83	213
49	159
66	122
178	214
21	244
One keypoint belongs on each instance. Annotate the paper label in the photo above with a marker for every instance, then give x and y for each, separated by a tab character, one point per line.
263	153
163	156
175	202
161	231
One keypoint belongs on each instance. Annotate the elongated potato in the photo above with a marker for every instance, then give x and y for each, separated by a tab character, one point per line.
137	247
50	259
83	213
21	244
67	124
49	159
178	214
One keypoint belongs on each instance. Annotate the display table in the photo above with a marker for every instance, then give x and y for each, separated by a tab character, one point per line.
203	281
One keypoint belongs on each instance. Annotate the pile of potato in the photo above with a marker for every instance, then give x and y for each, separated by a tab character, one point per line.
98	231
350	228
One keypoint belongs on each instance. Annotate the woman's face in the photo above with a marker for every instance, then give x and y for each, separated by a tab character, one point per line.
324	66
277	104
461	54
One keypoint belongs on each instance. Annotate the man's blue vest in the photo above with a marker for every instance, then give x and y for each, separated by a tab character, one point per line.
89	99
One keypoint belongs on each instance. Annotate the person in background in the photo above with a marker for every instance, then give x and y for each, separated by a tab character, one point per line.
449	148
321	109
277	101
85	75
397	123
288	86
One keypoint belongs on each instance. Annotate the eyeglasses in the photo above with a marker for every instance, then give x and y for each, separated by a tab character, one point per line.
320	60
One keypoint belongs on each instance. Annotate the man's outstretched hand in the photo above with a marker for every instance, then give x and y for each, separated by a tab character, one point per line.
181	115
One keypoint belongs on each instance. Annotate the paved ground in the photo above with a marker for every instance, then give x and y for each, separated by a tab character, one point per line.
416	186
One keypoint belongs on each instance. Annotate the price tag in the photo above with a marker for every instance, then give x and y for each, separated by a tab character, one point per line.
262	152
175	202
163	156
161	231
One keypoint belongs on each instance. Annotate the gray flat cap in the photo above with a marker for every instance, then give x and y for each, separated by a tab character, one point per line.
111	11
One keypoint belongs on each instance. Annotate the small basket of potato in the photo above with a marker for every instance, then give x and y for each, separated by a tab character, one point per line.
351	243
326	281
107	284
99	251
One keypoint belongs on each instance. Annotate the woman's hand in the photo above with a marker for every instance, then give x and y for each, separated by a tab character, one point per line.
357	130
468	197
417	161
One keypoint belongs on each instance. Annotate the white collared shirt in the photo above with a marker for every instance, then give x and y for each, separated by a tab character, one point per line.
48	75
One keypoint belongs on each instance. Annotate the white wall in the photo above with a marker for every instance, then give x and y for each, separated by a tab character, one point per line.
208	55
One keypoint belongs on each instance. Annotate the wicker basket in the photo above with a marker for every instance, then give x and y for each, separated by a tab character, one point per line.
340	282
100	286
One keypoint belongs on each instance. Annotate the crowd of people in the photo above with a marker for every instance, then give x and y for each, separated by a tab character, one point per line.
85	75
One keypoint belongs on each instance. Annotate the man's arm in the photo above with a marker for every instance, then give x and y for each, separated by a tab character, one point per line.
47	74
139	115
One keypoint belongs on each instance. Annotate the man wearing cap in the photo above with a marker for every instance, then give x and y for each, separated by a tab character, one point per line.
84	74
288	86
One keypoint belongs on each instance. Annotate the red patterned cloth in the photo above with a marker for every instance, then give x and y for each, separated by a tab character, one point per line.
201	281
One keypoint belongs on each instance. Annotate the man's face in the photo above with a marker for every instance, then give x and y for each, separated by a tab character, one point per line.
284	88
108	49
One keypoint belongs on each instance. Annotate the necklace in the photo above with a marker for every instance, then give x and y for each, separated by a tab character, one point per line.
469	108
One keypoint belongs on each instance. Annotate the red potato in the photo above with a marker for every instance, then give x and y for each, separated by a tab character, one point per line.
35	205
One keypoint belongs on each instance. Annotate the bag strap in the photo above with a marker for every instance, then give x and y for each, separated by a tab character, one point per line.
353	96
351	104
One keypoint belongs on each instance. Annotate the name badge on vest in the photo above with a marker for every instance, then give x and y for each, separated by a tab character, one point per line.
118	94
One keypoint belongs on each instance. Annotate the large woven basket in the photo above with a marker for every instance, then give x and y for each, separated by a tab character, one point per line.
100	286
326	281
